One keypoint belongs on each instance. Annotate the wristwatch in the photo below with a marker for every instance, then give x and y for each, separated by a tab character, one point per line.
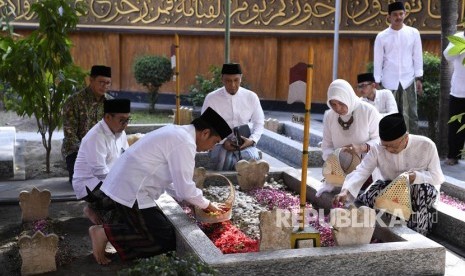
419	79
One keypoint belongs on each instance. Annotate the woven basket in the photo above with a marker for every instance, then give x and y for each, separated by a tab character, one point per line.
339	164
202	216
395	198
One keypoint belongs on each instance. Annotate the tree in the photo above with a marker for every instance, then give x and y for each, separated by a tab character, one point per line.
39	68
428	104
449	18
152	72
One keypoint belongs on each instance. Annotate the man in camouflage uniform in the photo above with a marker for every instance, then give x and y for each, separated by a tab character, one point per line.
82	111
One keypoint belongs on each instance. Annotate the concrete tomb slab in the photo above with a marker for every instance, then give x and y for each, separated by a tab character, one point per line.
402	250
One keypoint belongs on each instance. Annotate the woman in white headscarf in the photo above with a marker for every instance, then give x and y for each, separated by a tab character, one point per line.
350	123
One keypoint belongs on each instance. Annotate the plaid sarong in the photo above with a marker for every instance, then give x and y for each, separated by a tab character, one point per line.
142	233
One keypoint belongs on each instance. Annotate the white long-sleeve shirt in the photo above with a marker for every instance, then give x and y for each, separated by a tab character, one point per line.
364	129
420	155
398	57
458	76
99	150
163	161
384	102
242	108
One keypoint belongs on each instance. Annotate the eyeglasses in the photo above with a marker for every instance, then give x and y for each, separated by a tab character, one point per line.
104	83
395	146
363	85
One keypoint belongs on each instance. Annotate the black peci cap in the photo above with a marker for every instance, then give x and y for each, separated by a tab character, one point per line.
392	127
215	121
117	106
100	70
231	69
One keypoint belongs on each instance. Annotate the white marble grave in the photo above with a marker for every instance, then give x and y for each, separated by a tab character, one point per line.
7	151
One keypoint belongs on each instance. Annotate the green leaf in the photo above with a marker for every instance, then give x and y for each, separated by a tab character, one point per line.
456	50
456	40
461	128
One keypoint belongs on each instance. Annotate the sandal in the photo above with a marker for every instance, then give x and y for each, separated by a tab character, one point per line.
451	161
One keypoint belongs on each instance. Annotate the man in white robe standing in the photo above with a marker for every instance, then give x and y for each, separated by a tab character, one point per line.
398	64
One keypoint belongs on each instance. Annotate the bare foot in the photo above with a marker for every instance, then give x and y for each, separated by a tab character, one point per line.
92	216
99	243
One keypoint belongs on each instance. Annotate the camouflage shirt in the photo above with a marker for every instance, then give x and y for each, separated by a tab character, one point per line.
81	112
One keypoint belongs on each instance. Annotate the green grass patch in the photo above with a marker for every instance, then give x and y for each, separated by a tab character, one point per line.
144	117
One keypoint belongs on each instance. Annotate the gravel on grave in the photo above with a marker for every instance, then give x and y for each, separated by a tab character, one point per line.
246	209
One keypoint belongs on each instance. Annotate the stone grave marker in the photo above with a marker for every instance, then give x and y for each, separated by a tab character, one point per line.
200	174
252	175
273	236
185	115
272	125
353	226
34	204
38	253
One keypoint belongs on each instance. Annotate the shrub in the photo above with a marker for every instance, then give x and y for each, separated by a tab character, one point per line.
203	86
169	265
428	104
152	72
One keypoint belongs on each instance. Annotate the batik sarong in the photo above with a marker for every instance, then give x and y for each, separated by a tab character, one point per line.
423	196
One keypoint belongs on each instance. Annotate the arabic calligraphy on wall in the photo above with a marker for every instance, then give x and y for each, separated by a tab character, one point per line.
290	16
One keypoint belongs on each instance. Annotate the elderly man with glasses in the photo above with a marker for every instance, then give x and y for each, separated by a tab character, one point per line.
382	99
82	111
100	148
399	152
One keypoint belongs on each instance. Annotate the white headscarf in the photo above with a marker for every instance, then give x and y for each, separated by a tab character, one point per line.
342	91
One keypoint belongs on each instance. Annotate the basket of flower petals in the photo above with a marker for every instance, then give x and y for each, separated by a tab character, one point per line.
395	198
339	164
215	217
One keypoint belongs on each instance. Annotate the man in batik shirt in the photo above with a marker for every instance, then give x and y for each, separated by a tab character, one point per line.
82	111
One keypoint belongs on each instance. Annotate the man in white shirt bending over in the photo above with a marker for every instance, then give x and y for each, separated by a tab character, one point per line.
382	99
100	148
398	63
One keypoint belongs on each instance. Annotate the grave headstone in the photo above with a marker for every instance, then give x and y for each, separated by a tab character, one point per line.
132	138
353	226
185	115
252	175
34	204
38	253
199	176
273	235
272	125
